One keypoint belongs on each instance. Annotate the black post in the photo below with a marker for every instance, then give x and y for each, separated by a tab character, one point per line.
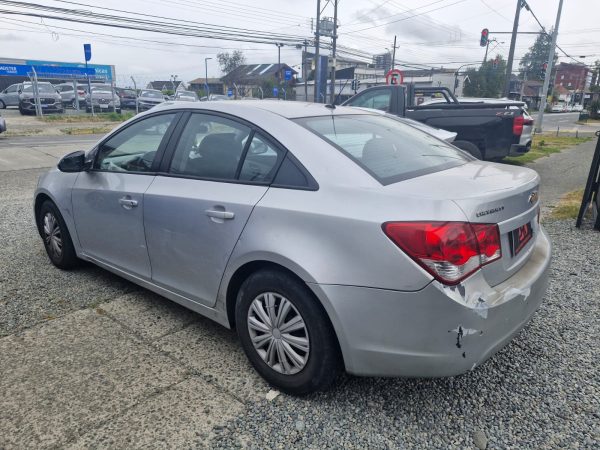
394	54
335	9
316	77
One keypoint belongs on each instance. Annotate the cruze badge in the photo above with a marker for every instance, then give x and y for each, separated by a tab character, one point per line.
533	197
489	211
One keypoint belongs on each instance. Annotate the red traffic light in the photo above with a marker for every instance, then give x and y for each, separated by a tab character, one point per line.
484	37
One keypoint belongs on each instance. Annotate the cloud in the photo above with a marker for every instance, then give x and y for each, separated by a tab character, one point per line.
12	37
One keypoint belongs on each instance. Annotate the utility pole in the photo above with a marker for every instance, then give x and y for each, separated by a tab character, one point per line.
305	71
511	52
279	45
540	118
394	54
316	77
206	89
333	64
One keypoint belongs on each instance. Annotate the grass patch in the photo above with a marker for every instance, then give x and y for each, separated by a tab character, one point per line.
102	117
588	122
568	206
544	145
88	130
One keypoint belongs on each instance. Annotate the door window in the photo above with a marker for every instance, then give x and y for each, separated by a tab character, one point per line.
260	162
210	147
11	89
376	99
134	148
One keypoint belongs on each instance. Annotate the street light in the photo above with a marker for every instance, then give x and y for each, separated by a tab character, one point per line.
206	78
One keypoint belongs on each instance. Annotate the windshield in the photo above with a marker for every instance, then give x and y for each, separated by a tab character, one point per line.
187	94
106	89
42	88
152	94
387	149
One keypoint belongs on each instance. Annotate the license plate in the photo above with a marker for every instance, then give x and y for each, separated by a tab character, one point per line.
519	238
44	106
103	106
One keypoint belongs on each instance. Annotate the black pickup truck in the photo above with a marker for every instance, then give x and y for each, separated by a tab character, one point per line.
487	130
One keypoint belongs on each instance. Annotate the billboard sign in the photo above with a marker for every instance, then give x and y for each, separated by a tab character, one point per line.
47	71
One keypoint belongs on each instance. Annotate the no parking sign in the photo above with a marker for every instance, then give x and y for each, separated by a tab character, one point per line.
394	76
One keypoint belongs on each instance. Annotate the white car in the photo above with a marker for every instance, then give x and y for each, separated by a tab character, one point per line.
558	108
577	108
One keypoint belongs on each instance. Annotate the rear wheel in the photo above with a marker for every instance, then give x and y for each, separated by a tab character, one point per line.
2	105
57	239
469	147
285	333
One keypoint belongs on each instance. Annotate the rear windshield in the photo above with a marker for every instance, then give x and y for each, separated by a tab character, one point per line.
388	149
152	94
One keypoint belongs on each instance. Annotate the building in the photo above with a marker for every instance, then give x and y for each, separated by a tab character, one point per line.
573	77
531	93
19	70
215	85
383	61
247	80
168	85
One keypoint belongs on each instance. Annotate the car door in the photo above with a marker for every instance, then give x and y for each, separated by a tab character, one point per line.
378	98
195	212
11	95
108	200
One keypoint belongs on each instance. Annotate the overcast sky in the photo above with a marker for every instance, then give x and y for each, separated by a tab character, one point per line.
437	33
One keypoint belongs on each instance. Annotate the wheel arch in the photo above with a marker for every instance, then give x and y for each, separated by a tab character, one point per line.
40	198
248	268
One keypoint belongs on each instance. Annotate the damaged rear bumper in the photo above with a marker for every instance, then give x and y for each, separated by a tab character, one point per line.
439	330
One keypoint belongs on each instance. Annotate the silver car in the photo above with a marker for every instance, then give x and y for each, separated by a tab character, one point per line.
10	96
329	238
103	98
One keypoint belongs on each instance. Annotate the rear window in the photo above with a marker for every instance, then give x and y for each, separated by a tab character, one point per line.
388	149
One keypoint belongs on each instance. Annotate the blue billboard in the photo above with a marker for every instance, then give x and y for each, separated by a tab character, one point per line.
57	70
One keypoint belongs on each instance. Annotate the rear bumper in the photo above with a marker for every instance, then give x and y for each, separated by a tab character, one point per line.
439	330
519	149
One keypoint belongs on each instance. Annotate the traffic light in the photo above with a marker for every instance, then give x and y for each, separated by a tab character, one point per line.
355	85
484	37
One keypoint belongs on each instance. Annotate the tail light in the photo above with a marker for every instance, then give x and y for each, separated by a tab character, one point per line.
528	121
81	92
450	251
518	123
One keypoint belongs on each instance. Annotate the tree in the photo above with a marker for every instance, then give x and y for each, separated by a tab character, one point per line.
531	64
488	80
595	85
229	62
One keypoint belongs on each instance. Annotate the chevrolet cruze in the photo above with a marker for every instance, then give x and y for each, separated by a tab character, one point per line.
329	238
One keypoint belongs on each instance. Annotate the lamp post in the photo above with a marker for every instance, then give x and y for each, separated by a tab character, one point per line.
206	78
278	65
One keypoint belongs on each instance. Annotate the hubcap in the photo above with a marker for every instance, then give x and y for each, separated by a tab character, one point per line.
278	333
52	235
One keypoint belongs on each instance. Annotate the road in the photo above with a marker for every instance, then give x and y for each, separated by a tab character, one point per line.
566	122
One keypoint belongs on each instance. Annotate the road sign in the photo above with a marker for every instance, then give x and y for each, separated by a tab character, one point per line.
87	51
229	93
287	74
394	76
275	92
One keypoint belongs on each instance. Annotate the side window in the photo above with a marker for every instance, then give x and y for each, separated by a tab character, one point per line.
210	147
377	99
134	148
11	89
260	162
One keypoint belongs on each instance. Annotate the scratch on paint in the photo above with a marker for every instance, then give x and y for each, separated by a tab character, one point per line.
461	333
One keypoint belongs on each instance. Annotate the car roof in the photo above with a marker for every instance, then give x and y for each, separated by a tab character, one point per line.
287	109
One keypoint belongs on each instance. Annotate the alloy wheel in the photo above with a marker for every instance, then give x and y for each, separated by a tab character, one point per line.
278	333
52	235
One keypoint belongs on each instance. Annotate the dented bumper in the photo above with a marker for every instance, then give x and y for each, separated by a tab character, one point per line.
439	330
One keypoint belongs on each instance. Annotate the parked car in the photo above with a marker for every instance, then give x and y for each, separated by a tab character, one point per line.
486	129
568	108
2	125
577	108
127	97
103	99
558	108
50	99
68	94
328	238
10	96
149	98
187	96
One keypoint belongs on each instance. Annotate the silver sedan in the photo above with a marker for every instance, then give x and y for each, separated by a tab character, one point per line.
329	238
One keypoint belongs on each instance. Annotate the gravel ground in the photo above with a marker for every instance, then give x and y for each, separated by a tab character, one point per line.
541	391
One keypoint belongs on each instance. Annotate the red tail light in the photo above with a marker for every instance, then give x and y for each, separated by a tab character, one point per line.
518	123
450	251
81	92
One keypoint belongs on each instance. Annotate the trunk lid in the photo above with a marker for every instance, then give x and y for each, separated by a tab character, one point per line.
488	193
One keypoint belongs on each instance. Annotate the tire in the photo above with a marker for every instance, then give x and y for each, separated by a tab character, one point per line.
22	111
319	366
2	105
469	147
52	227
88	110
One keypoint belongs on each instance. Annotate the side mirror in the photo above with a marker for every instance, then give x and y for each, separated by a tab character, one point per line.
73	162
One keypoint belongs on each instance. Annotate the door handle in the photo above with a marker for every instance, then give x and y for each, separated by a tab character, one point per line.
225	215
128	203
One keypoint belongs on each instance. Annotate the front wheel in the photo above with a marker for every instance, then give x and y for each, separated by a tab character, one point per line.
285	333
469	147
2	105
57	239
